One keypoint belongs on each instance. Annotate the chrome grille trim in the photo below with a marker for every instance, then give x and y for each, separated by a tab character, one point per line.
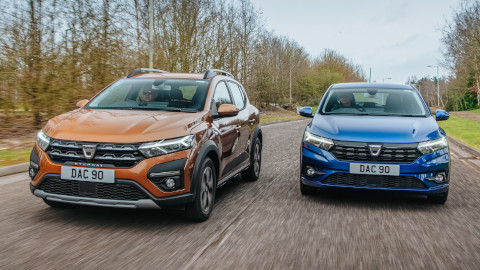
390	152
119	155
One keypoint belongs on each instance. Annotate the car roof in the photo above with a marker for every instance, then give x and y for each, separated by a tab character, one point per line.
372	85
169	75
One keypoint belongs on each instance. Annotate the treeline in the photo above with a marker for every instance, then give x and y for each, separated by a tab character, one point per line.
434	95
54	53
461	39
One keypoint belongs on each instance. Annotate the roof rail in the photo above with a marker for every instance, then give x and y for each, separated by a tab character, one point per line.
213	72
144	70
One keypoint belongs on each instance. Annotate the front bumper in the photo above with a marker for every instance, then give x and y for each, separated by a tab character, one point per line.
135	187
414	177
147	201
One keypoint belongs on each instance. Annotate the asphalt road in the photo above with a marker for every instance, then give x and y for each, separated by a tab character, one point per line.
262	225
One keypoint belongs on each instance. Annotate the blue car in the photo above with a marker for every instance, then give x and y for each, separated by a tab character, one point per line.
375	137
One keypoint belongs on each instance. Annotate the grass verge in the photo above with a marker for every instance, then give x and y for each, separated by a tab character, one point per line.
464	130
475	111
11	157
271	118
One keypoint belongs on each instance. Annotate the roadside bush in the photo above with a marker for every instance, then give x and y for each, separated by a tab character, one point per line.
312	102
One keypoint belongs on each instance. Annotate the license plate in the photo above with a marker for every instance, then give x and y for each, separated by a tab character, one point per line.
375	169
88	174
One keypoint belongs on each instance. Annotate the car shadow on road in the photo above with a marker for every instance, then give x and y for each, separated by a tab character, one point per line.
166	217
105	216
374	199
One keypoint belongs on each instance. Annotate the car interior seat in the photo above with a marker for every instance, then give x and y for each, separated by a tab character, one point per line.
394	103
176	98
163	96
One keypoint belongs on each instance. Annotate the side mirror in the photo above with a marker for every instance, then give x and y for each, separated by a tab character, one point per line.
226	110
82	103
441	115
307	112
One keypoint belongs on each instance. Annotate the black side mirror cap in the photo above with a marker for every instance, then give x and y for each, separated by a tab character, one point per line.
307	112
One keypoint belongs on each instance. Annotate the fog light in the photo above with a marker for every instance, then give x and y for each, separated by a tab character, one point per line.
310	171
440	178
31	173
34	165
170	183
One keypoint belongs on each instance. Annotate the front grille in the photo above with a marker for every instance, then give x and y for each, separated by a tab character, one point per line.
115	191
118	155
380	181
391	152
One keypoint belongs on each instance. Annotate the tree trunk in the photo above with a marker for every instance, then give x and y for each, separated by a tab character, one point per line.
478	94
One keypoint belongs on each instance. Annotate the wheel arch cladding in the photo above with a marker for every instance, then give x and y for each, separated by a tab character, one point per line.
209	149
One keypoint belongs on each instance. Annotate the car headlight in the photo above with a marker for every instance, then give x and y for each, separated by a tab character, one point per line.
153	149
320	142
432	146
43	140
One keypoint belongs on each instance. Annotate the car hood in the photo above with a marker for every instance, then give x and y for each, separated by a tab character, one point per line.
387	129
127	126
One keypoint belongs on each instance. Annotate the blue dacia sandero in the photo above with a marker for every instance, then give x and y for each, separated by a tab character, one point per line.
377	137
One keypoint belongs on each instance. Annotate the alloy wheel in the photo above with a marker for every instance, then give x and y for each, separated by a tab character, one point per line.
206	193
257	159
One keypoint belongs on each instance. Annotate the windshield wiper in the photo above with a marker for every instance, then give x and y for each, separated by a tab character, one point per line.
177	109
189	110
394	114
349	114
110	108
410	115
147	109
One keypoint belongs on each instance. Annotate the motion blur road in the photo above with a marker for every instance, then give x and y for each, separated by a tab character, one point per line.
262	225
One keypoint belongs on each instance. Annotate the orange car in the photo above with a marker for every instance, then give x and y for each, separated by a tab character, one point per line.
150	140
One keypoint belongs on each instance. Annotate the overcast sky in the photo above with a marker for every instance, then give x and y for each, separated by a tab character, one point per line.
396	39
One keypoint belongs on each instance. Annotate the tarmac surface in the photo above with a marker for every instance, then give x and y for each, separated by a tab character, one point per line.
266	224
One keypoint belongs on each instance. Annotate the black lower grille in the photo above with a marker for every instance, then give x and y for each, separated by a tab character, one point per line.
115	191
380	181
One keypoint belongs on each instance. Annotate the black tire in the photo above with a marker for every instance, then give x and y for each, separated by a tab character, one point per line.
253	172
439	198
306	190
205	186
56	204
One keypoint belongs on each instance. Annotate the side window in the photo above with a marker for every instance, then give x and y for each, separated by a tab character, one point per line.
221	96
237	94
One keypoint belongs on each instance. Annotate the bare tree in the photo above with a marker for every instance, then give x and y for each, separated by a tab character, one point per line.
461	37
54	53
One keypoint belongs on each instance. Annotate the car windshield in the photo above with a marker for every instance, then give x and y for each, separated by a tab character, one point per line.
382	102
153	94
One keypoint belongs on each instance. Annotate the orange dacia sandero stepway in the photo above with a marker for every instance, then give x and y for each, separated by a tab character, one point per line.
150	140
